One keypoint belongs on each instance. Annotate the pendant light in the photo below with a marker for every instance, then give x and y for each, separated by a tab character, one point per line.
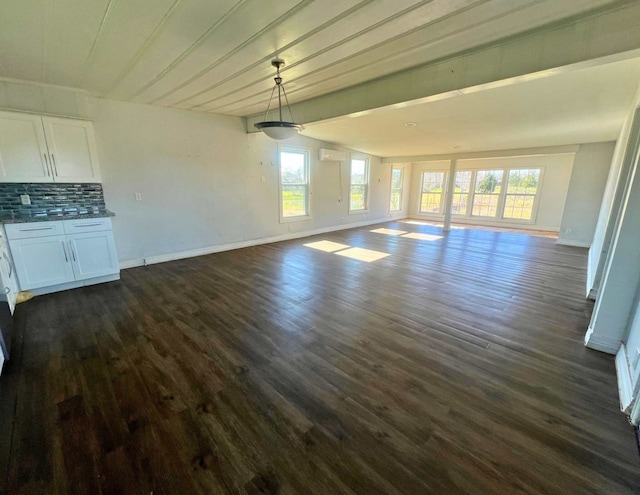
278	129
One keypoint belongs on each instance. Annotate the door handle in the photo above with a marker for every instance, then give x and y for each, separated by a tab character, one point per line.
34	230
55	167
66	258
46	164
8	263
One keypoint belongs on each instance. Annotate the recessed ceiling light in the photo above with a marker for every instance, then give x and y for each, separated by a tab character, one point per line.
410	124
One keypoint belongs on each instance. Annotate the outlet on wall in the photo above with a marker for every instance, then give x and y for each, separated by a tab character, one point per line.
138	197
567	232
25	199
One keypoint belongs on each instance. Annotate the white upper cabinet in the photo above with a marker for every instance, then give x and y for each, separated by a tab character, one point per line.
46	149
24	156
72	149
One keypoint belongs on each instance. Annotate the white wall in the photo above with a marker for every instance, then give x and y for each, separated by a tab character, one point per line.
201	181
555	183
611	201
588	180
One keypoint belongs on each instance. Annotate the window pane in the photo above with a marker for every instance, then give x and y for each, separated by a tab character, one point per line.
489	181
432	187
292	168
461	190
523	181
395	201
358	197
358	171
485	205
519	206
487	193
294	201
396	178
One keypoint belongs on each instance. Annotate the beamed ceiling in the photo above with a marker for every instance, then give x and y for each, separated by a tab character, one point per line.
214	56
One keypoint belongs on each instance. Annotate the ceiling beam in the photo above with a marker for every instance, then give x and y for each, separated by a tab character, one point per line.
598	37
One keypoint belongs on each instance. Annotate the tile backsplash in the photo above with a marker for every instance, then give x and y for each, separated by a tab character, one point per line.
50	198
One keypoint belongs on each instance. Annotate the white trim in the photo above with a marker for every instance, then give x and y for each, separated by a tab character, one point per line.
367	185
401	198
307	164
602	344
566	242
625	387
242	244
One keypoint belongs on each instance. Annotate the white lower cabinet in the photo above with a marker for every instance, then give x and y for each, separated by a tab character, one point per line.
44	256
42	261
93	254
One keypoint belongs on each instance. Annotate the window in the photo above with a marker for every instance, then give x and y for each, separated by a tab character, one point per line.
294	183
396	189
522	188
461	189
487	193
359	184
433	185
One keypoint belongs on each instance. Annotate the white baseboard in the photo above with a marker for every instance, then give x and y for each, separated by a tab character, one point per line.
243	244
569	242
600	343
625	386
74	285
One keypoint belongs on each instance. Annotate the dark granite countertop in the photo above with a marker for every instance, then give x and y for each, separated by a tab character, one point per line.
7	217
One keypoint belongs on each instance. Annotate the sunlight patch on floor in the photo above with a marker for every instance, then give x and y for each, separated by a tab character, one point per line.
327	246
366	255
389	231
423	237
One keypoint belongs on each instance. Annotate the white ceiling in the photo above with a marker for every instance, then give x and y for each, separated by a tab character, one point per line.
213	55
579	106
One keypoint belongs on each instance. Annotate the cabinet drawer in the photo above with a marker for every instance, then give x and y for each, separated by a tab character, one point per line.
87	225
33	229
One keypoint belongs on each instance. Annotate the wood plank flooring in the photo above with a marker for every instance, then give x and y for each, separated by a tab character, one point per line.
454	365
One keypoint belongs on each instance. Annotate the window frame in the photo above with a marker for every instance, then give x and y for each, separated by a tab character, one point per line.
443	195
367	184
400	190
500	195
307	159
536	197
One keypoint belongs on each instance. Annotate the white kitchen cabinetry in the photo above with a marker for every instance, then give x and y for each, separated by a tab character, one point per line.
35	148
58	255
8	274
42	261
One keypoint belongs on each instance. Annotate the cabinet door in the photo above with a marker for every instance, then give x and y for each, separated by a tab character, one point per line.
8	274
23	149
72	150
42	261
93	254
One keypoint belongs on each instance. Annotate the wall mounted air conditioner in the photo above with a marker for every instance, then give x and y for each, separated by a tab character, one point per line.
325	155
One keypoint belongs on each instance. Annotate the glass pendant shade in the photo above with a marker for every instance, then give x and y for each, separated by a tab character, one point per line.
279	129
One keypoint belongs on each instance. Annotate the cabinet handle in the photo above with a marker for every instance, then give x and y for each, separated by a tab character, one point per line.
55	167
72	251
66	258
46	164
89	225
33	230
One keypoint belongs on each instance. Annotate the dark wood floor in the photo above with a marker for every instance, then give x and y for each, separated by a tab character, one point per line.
454	365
